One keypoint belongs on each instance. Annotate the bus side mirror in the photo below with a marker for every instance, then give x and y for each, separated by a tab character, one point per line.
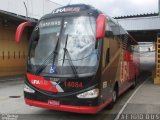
100	26
20	30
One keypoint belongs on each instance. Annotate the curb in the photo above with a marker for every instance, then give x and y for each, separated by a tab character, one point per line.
9	79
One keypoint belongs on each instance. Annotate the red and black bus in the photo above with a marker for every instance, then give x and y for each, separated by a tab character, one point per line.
79	60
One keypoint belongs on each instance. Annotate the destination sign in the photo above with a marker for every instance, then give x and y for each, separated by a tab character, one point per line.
49	23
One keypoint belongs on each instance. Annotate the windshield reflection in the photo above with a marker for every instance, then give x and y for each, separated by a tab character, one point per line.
80	34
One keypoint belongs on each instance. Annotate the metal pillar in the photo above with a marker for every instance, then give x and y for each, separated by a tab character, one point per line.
157	61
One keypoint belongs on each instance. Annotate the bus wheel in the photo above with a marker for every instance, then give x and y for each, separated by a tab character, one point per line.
114	98
134	83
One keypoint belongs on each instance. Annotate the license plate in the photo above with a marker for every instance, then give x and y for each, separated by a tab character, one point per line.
53	102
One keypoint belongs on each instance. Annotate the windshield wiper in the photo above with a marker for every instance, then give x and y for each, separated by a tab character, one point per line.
71	63
48	59
70	60
65	49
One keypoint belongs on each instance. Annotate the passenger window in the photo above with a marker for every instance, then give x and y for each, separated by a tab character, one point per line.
107	56
108	31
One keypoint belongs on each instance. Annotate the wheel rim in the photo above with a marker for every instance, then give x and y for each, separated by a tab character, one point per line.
114	96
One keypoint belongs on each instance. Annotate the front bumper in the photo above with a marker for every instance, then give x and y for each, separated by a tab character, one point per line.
69	108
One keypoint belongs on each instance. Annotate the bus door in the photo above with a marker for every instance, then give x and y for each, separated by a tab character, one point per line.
106	78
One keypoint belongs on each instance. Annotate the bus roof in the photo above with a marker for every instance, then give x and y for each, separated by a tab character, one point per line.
74	9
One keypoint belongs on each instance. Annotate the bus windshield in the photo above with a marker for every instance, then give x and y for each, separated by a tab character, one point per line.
58	45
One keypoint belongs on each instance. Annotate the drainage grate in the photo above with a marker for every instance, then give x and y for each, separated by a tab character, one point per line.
14	96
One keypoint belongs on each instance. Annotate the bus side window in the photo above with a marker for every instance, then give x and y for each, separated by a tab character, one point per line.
135	48
107	56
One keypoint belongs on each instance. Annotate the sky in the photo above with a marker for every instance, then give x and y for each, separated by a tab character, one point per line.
116	8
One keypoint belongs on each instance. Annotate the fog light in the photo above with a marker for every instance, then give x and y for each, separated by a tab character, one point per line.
28	89
89	94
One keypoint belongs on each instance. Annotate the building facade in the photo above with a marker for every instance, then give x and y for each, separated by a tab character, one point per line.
12	13
30	8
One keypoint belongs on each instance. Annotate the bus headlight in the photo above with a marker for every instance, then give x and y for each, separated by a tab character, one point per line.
28	89
89	94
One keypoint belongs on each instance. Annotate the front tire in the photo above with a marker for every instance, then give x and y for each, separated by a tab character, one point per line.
114	98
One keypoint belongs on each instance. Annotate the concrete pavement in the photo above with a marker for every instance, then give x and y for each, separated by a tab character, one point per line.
145	101
144	104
